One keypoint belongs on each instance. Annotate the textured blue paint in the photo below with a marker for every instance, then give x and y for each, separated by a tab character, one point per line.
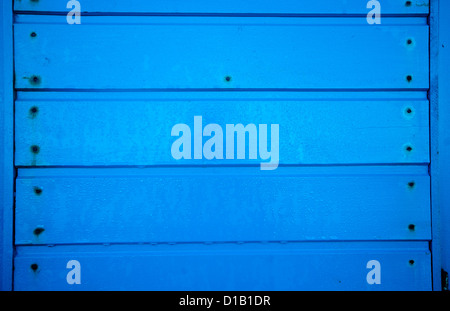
130	132
198	53
248	266
222	204
444	132
283	7
110	195
6	146
435	173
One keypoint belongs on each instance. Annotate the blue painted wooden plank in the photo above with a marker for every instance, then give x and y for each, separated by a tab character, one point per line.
6	145
272	266
220	53
228	6
87	131
221	204
441	139
322	170
212	95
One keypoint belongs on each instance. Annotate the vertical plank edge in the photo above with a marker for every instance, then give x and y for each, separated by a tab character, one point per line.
6	143
434	143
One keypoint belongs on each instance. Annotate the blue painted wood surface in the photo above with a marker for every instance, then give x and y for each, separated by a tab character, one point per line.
203	53
99	130
107	93
287	7
221	204
248	266
442	93
6	146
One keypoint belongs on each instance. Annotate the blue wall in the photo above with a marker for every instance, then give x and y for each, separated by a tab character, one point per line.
96	182
444	130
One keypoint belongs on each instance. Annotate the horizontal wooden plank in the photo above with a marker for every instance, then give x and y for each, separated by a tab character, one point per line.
212	95
292	266
221	204
228	6
220	53
95	131
320	170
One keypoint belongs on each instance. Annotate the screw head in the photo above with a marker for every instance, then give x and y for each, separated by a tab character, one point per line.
35	80
38	230
35	149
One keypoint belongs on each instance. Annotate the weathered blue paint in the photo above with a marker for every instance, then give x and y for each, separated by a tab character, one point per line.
281	7
443	47
255	53
232	266
138	132
435	172
6	145
222	205
106	191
